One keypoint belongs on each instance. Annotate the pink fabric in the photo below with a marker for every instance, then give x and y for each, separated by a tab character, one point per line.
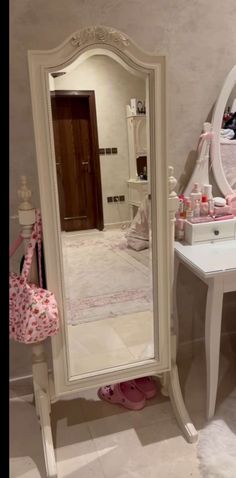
33	310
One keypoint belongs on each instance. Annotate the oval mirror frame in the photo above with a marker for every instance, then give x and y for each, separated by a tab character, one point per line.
119	46
217	116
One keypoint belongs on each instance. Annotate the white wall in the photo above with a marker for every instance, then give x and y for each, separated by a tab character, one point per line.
113	86
199	41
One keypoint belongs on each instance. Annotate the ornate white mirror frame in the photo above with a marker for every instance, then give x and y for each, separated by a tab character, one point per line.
217	116
114	44
164	204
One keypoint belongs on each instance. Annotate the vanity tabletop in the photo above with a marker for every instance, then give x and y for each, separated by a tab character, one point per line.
208	259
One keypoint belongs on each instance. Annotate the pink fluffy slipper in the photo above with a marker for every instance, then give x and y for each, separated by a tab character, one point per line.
147	386
124	393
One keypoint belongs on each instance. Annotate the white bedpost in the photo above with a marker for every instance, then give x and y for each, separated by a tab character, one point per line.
26	214
170	380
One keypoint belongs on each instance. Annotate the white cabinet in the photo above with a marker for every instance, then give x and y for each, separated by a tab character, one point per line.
137	190
137	140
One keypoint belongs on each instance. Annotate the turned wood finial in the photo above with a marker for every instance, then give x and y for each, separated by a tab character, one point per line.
171	182
25	210
25	194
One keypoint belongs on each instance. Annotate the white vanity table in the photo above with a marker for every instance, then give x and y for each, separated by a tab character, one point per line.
215	264
211	249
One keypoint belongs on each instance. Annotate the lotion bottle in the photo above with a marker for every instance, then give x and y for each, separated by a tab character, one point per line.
195	193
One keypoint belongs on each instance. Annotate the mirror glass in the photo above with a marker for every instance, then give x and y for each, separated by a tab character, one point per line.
228	140
100	119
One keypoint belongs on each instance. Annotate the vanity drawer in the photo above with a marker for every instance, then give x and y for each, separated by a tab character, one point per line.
210	231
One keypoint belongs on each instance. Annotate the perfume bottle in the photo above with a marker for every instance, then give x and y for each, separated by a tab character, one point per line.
188	209
207	191
180	229
196	208
204	206
211	206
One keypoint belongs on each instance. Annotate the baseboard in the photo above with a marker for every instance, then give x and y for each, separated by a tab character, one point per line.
117	225
196	346
20	386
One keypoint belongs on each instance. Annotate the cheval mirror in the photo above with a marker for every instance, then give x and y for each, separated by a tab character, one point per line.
102	165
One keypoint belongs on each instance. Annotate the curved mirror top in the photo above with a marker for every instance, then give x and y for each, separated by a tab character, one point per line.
224	128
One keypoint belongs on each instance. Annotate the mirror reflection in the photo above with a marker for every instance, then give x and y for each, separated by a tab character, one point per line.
101	138
228	140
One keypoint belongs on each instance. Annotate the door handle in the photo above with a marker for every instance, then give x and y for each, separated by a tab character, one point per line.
87	163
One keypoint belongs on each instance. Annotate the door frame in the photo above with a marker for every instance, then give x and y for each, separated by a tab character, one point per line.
97	185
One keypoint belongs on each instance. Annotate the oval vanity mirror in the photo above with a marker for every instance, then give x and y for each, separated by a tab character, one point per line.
99	117
223	153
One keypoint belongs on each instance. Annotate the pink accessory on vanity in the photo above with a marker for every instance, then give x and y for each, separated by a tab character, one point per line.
33	310
223	217
231	201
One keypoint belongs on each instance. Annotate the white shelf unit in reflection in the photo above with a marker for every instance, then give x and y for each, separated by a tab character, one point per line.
137	141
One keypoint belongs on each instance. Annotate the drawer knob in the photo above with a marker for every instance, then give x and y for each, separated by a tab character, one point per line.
216	232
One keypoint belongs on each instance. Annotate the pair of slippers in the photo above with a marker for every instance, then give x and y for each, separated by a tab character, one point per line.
131	394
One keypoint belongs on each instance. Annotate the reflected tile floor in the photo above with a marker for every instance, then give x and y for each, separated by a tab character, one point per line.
107	342
94	439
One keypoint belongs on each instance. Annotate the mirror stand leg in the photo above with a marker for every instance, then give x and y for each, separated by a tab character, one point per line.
172	385
164	384
43	406
178	405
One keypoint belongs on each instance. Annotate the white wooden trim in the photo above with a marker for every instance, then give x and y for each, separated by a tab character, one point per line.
40	64
218	113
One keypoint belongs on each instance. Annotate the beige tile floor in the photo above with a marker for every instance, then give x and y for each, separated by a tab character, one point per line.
110	342
94	439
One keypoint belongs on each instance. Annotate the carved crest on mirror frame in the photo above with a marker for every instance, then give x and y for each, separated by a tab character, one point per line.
102	35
